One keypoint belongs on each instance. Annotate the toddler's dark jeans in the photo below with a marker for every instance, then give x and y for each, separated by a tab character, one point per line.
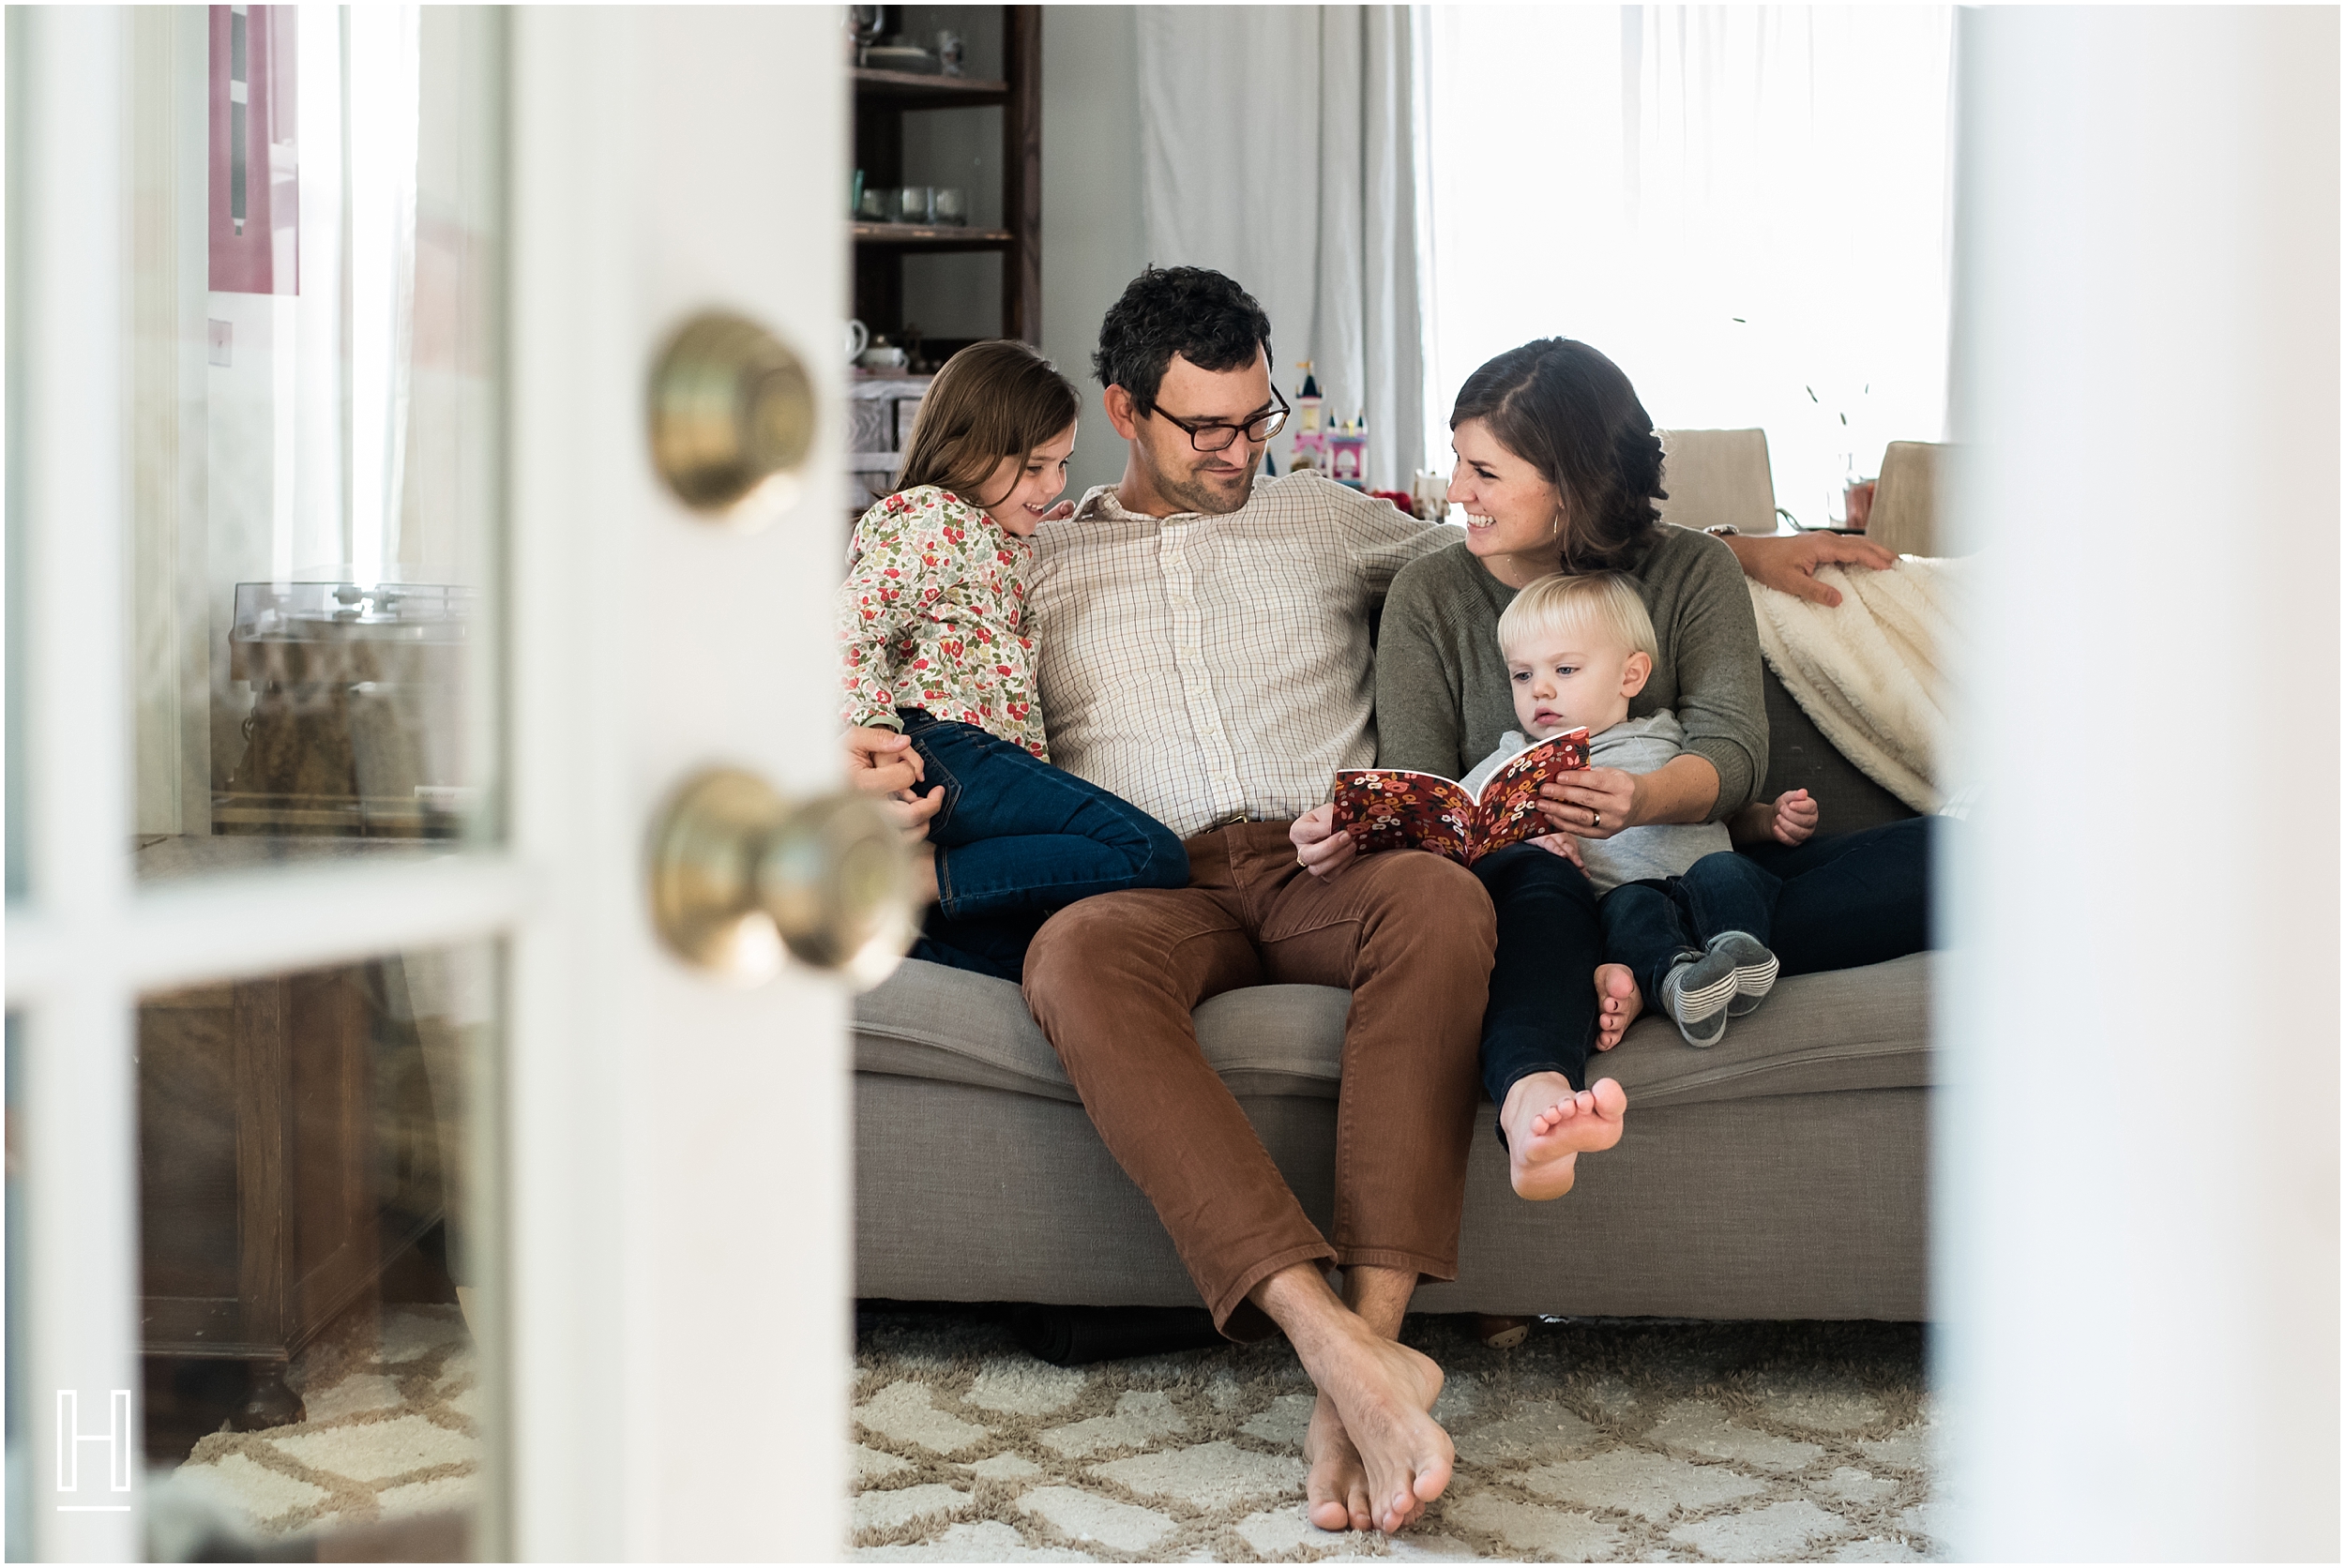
1649	926
1018	840
1839	902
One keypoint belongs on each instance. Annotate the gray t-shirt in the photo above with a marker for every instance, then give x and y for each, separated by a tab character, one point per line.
1632	745
1443	695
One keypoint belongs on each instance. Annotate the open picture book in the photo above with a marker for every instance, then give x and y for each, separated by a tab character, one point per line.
1393	808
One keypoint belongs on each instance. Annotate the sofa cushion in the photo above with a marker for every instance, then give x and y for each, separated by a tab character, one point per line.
1857	1028
1799	757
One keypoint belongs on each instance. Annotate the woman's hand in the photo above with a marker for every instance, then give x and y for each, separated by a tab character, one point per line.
1319	848
1789	564
1594	803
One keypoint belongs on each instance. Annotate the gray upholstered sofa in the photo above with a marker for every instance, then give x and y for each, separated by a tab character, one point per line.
1783	1174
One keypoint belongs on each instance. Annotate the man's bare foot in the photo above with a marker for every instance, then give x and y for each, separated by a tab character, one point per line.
1382	1392
1549	1125
1336	1490
1617	1004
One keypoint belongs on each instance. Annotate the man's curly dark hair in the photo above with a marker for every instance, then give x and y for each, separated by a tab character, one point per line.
1194	311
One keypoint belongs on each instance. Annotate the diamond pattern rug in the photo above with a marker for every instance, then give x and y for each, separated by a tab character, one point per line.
391	1431
1592	1441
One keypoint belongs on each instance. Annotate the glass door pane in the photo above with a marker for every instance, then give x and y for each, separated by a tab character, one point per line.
313	488
317	447
311	1253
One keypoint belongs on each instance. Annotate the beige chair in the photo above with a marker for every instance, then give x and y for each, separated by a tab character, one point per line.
1905	498
1717	477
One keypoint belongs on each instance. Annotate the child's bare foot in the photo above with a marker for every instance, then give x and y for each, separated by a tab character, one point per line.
1549	1125
1617	1004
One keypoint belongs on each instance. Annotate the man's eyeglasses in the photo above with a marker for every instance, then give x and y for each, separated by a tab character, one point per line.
1214	435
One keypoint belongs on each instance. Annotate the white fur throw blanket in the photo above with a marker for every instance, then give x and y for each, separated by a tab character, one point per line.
1872	671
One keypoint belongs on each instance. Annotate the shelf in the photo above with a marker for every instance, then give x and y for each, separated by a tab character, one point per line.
905	89
916	236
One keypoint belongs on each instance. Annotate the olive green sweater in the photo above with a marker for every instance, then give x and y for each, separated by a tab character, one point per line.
1443	699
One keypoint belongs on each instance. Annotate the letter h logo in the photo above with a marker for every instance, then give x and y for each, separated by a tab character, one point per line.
70	1437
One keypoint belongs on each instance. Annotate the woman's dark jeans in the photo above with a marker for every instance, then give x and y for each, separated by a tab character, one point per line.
1018	840
1854	898
1841	902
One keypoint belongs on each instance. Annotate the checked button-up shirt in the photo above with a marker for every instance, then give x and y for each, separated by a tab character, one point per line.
1214	668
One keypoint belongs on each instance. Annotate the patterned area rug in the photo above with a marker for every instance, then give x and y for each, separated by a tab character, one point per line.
1592	1441
1769	1442
391	1431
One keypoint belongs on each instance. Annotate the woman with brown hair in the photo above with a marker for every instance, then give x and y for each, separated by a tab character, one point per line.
1558	469
933	627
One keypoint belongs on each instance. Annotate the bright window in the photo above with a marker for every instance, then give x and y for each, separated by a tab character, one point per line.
1745	208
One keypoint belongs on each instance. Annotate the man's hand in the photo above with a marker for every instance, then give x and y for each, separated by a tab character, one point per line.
1591	803
1789	564
1319	849
1562	844
882	763
1796	814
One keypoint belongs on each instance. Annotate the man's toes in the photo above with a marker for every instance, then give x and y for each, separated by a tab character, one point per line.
1329	1515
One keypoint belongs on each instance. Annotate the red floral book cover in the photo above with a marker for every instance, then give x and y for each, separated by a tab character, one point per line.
1393	808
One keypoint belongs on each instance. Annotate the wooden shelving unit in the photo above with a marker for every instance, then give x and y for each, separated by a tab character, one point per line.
882	99
913	237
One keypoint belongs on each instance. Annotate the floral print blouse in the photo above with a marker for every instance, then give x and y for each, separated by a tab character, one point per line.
933	615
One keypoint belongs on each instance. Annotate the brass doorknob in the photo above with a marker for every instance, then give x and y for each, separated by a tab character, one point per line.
731	419
739	873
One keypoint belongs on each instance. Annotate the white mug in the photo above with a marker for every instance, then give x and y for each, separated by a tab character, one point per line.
882	357
858	337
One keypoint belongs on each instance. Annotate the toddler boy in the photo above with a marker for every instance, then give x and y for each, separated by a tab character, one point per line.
1684	917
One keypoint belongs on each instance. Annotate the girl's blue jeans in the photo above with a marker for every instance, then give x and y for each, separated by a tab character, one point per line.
1832	903
1018	840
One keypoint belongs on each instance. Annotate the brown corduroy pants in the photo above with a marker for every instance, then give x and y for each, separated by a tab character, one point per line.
1113	981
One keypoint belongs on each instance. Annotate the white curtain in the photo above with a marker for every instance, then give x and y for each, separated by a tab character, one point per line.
1280	144
384	75
1745	207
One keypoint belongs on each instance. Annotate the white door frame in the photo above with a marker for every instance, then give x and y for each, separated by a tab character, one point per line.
675	1309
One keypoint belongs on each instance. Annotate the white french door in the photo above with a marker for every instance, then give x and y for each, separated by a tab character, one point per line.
354	650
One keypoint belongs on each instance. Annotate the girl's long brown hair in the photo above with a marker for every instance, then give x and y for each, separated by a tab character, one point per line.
991	400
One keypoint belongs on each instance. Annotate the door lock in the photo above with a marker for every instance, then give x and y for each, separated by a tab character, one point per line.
739	874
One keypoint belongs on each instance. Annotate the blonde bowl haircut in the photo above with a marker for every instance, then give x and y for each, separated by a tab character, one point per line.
991	400
1607	603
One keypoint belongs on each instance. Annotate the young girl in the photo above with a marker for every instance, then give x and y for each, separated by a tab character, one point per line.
932	617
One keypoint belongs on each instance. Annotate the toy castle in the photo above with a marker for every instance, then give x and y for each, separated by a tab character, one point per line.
1347	453
1310	447
1339	451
